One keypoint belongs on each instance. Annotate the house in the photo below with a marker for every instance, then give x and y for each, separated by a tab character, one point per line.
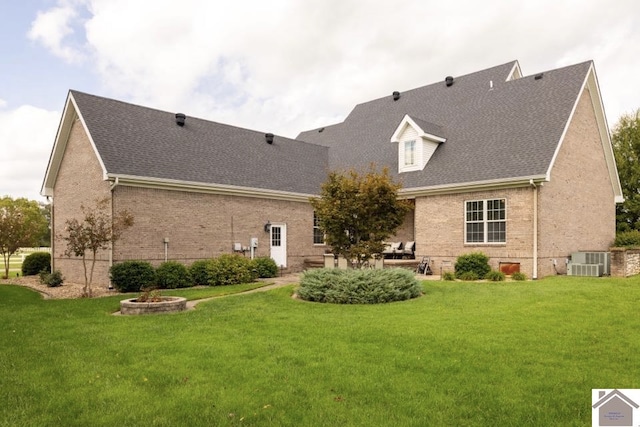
615	409
518	167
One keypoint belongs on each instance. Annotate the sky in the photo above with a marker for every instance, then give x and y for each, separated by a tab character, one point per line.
281	66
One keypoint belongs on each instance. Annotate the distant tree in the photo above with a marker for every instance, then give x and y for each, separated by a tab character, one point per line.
21	224
626	146
95	231
357	213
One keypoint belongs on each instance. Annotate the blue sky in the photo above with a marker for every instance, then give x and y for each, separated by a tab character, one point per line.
281	66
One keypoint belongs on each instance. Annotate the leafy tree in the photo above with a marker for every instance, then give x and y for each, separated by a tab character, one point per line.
21	225
626	146
95	231
357	213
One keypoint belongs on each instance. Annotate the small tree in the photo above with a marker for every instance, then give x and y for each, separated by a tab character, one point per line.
357	213
21	224
626	147
95	231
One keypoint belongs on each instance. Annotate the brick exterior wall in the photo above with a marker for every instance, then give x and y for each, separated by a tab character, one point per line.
576	208
79	182
440	228
201	226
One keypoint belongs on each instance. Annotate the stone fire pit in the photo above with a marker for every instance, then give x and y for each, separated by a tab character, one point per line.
166	305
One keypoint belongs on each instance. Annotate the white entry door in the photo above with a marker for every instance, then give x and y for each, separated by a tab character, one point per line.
278	237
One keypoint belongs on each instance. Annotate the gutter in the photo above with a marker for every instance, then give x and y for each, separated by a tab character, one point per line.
534	274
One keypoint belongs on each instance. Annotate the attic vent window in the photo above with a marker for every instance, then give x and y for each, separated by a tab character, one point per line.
269	138
396	96
180	119
539	76
448	81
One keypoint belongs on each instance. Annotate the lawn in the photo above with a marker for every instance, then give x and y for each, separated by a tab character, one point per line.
507	354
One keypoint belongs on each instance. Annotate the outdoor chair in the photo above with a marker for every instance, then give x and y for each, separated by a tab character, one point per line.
424	266
393	250
409	250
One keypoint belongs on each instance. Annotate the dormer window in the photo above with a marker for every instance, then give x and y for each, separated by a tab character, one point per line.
417	141
410	152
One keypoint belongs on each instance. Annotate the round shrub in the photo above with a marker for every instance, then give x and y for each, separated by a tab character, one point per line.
495	276
468	276
172	275
229	270
198	272
35	263
448	275
358	286
264	267
132	276
52	280
476	262
519	276
628	239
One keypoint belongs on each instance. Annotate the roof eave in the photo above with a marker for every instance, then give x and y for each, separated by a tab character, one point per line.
467	187
199	187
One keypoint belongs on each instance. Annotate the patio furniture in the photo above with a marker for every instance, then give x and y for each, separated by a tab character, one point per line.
409	250
393	250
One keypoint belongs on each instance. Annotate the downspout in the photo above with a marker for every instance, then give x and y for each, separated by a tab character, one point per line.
112	188
535	230
52	233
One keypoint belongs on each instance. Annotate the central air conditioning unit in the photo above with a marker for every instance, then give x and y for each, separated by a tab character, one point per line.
600	258
592	270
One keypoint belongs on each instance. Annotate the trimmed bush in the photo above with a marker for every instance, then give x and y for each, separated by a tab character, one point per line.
198	272
476	262
264	267
495	276
519	276
35	263
229	270
172	275
52	280
448	275
358	286
628	239
468	276
132	276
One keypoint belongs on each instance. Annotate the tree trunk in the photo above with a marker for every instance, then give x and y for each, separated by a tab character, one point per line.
85	290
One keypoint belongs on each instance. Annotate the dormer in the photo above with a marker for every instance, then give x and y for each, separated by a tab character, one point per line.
417	141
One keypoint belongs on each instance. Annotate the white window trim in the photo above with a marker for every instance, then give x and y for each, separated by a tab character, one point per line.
313	236
485	222
414	153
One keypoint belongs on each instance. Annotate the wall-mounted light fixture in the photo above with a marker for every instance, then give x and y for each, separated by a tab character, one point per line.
267	226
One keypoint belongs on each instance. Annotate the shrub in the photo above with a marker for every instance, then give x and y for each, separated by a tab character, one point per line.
198	272
468	276
627	239
476	262
495	276
229	270
132	276
52	280
35	263
172	275
264	267
448	275
358	286
519	276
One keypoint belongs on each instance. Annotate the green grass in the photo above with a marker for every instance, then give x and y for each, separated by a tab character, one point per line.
464	354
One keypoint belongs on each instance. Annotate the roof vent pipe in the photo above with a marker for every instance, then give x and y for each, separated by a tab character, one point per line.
180	118
269	138
448	81
538	76
396	95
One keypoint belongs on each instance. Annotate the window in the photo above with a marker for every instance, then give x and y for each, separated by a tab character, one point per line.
485	221
410	152
318	237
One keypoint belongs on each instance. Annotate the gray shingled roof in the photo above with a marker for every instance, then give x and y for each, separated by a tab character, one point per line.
144	142
509	131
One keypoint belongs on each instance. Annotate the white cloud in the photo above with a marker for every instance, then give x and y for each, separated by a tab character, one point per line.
26	137
53	29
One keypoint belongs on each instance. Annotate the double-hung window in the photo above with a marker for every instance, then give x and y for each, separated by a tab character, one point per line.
318	236
485	221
